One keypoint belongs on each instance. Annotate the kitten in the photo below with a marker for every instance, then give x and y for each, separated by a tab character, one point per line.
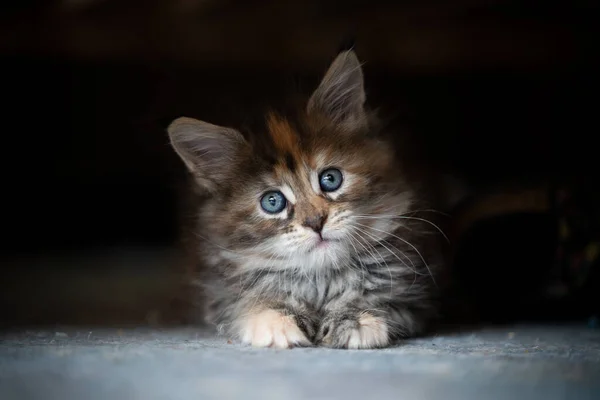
312	233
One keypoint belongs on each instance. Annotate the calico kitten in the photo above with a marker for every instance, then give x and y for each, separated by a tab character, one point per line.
311	233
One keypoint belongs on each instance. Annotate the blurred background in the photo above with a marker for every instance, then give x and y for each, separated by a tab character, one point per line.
503	93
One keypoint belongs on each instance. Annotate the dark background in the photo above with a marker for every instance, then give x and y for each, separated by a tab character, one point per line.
499	91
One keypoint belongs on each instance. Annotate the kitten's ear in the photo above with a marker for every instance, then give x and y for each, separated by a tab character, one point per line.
341	94
209	151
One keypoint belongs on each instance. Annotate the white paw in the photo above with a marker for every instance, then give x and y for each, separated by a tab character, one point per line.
271	328
371	332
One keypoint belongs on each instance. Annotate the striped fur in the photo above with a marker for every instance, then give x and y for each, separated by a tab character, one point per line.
269	279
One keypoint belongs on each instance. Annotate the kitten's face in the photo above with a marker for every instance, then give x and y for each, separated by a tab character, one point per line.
311	205
325	188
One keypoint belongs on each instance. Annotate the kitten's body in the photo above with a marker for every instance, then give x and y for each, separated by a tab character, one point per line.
351	267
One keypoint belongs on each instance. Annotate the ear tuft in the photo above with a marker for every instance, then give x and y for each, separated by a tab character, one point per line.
341	96
209	151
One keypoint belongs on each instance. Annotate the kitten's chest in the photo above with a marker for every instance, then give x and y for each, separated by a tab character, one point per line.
321	290
357	283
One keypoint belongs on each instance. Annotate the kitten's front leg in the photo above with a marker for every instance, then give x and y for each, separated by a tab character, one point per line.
354	329
275	327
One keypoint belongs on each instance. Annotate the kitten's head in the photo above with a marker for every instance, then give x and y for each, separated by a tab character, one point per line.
310	193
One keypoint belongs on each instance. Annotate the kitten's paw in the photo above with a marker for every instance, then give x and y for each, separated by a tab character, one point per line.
271	328
354	331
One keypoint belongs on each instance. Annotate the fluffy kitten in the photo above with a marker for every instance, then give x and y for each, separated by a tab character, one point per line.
310	234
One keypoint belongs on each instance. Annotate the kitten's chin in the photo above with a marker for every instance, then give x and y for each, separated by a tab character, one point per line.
325	254
323	245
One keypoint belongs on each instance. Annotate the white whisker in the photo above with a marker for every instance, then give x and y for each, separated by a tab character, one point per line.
382	259
408	243
384	216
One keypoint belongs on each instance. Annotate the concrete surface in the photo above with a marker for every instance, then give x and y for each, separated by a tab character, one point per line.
519	362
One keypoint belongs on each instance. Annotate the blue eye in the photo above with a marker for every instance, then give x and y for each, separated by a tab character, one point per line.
330	180
273	202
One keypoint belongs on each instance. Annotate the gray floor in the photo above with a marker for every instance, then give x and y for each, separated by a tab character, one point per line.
521	362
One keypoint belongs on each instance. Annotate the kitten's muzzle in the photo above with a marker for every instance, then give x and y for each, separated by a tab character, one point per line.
315	222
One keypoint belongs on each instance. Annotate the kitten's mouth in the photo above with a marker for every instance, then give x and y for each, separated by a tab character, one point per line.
323	244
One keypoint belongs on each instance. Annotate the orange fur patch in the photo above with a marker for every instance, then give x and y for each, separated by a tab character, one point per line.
287	143
283	135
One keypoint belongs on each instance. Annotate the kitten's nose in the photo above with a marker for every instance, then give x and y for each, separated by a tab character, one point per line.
315	222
